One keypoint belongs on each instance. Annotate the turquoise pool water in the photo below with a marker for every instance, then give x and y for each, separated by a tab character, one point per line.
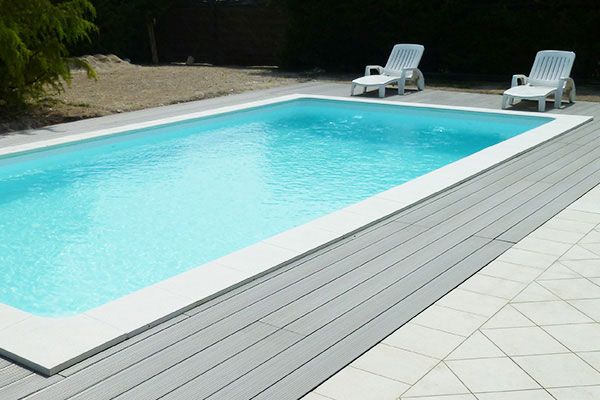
84	224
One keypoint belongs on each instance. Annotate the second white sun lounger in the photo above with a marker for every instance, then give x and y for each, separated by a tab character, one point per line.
402	66
550	75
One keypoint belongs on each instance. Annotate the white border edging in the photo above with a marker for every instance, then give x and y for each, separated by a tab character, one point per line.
48	345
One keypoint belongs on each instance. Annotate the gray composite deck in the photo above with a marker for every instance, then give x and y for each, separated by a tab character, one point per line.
282	334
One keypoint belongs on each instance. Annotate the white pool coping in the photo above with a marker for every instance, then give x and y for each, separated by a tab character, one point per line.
48	345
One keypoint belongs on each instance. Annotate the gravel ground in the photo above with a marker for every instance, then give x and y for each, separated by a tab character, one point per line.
122	86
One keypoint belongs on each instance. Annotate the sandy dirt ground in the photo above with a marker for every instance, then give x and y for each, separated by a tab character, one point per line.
122	87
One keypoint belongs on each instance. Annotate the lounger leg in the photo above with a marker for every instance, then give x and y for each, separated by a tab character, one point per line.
382	91
542	104
558	98
572	94
557	101
505	101
420	80
352	89
401	84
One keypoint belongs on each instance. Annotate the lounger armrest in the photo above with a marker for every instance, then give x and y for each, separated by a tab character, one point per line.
368	69
566	82
407	70
519	79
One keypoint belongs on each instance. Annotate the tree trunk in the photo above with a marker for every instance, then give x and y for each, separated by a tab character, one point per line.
150	22
216	48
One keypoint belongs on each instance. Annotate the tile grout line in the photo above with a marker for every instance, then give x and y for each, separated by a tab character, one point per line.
508	303
436	329
513	361
376	374
565	301
483	294
470	312
572	352
409	350
581	311
476	330
568	302
458	377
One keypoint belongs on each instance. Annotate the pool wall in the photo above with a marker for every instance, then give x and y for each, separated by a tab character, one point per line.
48	345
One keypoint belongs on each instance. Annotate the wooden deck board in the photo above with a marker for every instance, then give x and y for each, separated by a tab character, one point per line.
4	362
510	172
186	359
343	328
282	334
204	385
29	384
293	385
12	373
537	218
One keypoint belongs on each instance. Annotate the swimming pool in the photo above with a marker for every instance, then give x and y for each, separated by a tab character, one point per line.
86	223
90	212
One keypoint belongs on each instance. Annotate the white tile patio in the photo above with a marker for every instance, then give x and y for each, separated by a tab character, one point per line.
525	327
590	307
439	381
394	363
576	393
492	374
356	384
476	346
552	313
422	340
524	341
559	370
535	394
535	292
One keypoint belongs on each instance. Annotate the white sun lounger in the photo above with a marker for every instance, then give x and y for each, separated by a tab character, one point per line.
401	67
550	75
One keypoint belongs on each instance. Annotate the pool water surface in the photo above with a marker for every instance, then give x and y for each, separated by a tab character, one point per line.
86	223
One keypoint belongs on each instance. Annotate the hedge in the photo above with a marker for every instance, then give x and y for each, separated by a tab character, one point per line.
460	36
493	38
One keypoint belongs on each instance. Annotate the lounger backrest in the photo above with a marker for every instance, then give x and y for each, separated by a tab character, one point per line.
403	56
551	65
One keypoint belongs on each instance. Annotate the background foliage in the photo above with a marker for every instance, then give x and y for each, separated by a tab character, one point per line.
122	28
34	40
496	37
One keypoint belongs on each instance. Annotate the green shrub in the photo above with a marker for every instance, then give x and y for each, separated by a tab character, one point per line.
34	37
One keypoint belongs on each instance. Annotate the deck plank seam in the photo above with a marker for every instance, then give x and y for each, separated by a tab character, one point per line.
288	267
294	331
472	184
549	189
513	174
484	244
348	359
331	321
